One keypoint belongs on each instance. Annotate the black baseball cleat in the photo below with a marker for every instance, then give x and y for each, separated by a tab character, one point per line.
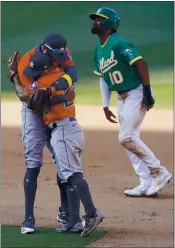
77	228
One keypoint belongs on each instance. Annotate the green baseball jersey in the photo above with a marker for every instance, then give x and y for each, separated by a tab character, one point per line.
113	61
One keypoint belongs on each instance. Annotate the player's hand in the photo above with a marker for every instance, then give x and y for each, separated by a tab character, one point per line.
148	99
70	95
147	107
12	65
109	115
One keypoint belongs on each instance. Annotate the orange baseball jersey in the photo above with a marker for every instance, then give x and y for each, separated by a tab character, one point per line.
58	111
47	78
27	82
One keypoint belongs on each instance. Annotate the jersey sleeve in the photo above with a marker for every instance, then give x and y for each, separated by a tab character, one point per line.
23	63
129	52
96	67
69	61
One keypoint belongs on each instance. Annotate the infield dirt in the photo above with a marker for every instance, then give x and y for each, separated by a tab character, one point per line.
131	222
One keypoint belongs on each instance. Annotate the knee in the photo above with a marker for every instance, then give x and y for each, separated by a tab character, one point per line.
33	165
125	140
32	173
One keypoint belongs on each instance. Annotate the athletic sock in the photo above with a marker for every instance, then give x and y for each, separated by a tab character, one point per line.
74	205
63	196
81	186
30	187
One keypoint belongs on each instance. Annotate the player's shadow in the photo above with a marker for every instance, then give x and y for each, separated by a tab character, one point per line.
104	160
164	196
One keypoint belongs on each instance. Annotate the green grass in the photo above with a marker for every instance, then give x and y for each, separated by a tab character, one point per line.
143	23
163	95
149	25
44	237
89	94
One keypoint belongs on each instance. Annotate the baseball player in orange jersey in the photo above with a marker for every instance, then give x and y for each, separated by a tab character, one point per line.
67	141
33	129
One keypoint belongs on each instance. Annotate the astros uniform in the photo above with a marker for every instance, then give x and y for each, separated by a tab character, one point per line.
33	128
113	62
67	138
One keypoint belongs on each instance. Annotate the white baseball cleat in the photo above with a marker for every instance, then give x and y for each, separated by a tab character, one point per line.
138	191
28	226
27	230
159	182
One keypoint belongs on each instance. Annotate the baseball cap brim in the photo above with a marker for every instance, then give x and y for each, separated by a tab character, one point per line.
59	57
30	72
94	15
55	41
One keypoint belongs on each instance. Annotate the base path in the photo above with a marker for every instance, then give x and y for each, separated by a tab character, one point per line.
131	222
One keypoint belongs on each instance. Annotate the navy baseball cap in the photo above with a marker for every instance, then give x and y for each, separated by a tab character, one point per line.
55	41
38	63
56	45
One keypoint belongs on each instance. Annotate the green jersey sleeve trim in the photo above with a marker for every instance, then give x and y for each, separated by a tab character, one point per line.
135	59
97	73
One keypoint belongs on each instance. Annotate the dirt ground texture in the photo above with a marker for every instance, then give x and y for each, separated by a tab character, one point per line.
131	222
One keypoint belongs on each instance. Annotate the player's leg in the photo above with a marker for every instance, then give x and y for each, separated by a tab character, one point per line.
138	165
132	117
144	176
63	209
69	140
34	138
74	223
143	173
59	146
72	214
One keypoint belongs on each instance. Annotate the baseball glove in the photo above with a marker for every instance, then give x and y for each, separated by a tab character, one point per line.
39	101
13	65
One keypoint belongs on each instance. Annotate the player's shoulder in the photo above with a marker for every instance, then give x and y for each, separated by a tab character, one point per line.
97	47
69	61
118	39
26	57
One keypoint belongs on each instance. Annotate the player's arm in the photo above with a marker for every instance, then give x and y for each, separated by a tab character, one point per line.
70	74
12	66
67	97
20	89
106	96
132	56
143	72
23	95
71	70
105	92
65	82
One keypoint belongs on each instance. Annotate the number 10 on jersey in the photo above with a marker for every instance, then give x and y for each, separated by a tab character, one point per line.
116	77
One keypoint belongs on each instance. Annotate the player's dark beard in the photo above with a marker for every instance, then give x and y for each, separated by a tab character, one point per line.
96	30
